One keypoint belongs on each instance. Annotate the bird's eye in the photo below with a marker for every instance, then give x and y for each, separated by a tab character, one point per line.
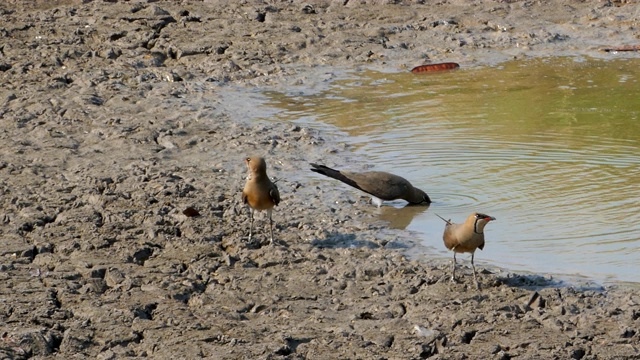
248	159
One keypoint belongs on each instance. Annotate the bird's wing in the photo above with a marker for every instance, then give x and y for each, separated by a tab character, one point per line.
274	194
449	237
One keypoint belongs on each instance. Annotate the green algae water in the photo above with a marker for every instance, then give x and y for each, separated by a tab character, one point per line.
550	147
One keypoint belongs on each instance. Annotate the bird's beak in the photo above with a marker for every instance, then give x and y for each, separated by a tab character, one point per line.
489	218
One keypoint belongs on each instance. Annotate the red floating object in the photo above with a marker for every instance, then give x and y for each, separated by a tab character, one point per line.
435	67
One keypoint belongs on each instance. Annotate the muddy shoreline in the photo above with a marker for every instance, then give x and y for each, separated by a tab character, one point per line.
114	125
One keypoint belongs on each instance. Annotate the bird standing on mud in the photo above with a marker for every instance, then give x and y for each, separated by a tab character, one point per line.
465	237
380	185
259	192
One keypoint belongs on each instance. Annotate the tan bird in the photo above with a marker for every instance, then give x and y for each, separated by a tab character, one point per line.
465	237
259	192
379	184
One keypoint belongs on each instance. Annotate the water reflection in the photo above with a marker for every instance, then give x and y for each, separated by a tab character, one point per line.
401	217
551	147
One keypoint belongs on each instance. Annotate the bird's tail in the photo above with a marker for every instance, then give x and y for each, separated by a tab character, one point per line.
326	171
332	173
445	220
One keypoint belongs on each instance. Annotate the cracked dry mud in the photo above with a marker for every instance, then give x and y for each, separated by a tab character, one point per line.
123	233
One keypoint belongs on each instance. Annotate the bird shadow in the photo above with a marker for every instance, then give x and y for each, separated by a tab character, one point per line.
336	240
293	343
529	281
539	282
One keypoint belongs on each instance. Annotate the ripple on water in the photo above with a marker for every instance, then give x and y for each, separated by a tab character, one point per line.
549	197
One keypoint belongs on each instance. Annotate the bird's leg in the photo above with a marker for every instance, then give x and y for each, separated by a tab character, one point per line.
250	223
475	277
453	268
270	226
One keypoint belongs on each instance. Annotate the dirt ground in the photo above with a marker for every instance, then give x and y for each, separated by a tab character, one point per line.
123	232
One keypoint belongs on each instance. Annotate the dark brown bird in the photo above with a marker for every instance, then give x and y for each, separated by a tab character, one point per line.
259	192
465	237
379	184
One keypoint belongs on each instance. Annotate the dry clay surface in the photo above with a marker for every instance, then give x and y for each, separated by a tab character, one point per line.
121	165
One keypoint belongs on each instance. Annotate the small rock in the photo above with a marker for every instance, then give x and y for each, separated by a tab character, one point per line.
114	277
158	11
628	333
45	248
424	332
191	212
142	255
97	273
468	336
387	341
308	9
283	350
577	354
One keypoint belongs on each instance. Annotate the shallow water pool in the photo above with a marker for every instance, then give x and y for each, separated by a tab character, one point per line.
550	147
